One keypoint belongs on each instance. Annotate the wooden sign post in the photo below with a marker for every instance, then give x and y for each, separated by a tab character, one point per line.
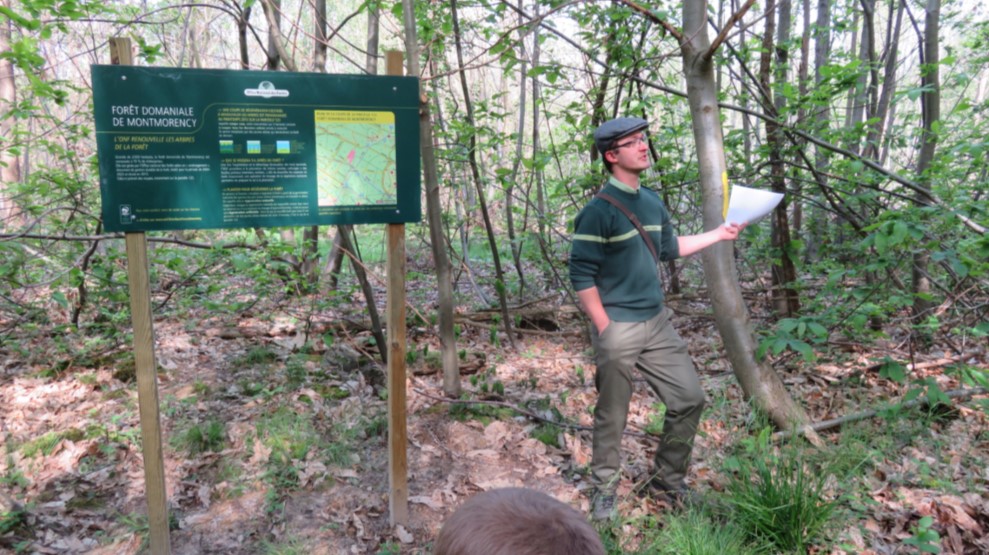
398	465
145	365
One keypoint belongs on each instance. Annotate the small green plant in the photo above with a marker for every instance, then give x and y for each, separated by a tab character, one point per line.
139	525
390	548
548	434
288	546
209	436
258	355
13	477
290	437
484	414
46	444
795	334
375	426
925	539
486	382
656	420
780	501
12	520
200	388
250	388
493	331
295	373
696	533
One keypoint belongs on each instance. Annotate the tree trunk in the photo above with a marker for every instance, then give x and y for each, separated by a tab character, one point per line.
319	35
931	114
785	300
242	22
273	12
819	218
803	84
476	174
514	243
372	307
883	116
448	340
759	381
10	169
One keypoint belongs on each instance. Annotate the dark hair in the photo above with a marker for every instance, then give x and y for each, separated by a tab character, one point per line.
517	521
607	165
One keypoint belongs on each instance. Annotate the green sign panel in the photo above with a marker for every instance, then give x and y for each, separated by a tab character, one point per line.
198	149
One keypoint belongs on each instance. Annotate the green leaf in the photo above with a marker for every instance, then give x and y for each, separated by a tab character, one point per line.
804	349
779	345
787	325
760	352
818	330
892	370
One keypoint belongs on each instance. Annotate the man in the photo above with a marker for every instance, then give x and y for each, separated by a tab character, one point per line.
615	273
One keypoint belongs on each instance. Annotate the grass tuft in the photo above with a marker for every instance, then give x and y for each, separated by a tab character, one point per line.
778	500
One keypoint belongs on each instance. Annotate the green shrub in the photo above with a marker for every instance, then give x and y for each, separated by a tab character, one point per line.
779	500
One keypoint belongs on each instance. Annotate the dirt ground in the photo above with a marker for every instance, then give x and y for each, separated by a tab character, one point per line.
84	493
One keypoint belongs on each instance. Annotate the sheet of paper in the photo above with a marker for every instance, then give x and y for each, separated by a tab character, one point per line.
747	205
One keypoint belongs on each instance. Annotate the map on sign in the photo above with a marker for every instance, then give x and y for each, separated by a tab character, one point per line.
355	158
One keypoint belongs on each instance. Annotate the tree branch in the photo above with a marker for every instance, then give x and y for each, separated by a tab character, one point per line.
960	394
723	35
673	31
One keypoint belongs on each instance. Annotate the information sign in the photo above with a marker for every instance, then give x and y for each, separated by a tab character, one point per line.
198	149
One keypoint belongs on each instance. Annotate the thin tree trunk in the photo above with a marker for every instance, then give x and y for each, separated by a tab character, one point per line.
759	381
598	115
545	237
785	300
372	307
514	243
803	78
884	114
448	341
273	12
242	21
10	170
819	219
319	35
931	114
476	174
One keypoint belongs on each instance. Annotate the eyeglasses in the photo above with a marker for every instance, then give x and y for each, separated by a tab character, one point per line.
634	142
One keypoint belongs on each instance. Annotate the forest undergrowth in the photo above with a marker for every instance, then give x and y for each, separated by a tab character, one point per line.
274	417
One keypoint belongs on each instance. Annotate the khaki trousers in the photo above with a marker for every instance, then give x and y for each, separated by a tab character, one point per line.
656	350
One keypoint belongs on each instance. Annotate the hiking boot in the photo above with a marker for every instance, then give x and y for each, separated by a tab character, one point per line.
678	498
603	506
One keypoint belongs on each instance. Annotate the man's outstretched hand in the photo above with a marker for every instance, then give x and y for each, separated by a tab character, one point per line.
730	231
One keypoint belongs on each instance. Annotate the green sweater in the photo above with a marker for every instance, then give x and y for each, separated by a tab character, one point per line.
608	252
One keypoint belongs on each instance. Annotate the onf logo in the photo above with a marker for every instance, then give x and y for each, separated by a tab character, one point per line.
266	89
